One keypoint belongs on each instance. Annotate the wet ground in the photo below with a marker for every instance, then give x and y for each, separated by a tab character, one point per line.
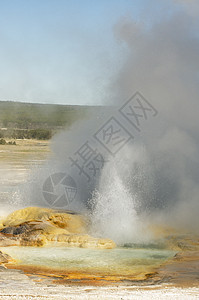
15	165
14	284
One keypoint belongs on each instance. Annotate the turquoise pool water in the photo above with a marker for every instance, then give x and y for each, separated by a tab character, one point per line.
118	261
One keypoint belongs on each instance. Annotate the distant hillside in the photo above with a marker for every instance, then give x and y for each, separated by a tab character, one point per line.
33	116
38	121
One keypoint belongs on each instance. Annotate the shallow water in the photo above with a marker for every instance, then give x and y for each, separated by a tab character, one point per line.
119	261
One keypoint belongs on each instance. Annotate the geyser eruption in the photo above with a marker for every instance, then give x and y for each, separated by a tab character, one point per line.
114	202
114	214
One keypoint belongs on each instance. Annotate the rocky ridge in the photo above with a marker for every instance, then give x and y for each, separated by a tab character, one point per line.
34	226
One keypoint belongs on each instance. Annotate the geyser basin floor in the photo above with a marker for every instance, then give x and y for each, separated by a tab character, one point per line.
76	263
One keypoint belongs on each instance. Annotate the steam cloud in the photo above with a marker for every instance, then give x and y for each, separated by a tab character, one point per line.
163	64
156	178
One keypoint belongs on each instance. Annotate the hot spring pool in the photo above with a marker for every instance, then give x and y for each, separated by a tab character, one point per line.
113	262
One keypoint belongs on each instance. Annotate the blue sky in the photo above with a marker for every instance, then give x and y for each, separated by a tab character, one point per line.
64	51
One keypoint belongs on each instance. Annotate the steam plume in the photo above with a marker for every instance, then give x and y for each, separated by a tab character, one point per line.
156	178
